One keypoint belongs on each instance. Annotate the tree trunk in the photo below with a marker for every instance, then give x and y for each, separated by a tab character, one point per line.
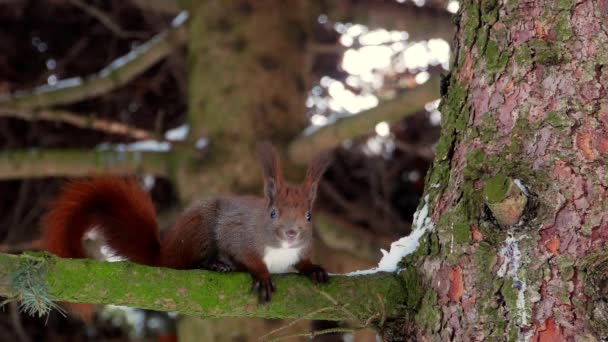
518	188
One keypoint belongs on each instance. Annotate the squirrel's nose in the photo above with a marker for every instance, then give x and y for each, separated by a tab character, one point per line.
291	234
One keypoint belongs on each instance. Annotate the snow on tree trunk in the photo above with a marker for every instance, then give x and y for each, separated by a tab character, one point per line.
518	189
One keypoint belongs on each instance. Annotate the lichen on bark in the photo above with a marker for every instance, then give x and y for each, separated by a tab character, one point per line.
526	101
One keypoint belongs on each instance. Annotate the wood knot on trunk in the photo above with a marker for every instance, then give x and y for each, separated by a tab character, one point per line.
506	198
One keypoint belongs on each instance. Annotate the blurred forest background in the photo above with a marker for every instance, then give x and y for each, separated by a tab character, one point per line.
123	77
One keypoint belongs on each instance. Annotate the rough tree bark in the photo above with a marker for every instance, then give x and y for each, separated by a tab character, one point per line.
518	189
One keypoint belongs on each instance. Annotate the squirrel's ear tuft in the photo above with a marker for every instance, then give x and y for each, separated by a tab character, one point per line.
315	171
271	169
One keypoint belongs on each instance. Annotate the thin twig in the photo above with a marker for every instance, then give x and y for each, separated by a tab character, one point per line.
313	334
307	316
83	121
336	303
106	20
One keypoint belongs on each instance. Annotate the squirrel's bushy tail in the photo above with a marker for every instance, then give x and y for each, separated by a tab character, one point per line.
116	207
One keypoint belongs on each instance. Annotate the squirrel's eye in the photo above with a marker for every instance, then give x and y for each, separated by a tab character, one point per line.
273	213
308	217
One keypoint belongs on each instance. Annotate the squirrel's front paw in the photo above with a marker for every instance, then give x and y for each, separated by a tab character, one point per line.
317	274
265	287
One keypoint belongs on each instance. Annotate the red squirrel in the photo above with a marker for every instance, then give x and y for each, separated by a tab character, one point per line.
228	233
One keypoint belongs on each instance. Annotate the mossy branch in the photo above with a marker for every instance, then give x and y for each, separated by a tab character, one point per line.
304	148
116	74
19	164
204	293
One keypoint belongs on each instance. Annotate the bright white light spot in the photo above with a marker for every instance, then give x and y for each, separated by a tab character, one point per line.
353	81
148	182
435	118
453	6
383	129
419	3
51	80
439	50
422	77
346	40
51	64
373	146
318	120
398	46
364	61
310	102
416	56
357	30
430	106
375	37
322	19
201	143
340	28
413	176
399	35
326	81
178	133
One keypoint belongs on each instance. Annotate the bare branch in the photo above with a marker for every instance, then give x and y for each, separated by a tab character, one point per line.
160	6
304	148
34	163
89	121
116	74
106	20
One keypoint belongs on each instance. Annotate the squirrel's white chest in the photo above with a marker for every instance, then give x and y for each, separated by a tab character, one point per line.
280	260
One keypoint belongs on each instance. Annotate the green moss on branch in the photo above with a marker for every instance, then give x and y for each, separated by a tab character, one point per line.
211	294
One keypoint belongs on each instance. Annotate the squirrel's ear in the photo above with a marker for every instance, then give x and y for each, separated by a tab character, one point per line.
315	171
271	168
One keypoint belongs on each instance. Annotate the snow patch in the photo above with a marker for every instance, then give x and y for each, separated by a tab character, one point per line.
521	186
179	133
404	246
139	146
180	19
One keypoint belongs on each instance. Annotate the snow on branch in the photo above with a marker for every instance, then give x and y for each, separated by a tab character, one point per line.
406	245
117	73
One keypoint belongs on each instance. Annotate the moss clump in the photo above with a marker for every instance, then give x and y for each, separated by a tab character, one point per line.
475	161
563	30
429	317
496	58
489	11
485	259
547	54
564	4
559	119
412	286
472	24
566	267
461	233
523	56
496	188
